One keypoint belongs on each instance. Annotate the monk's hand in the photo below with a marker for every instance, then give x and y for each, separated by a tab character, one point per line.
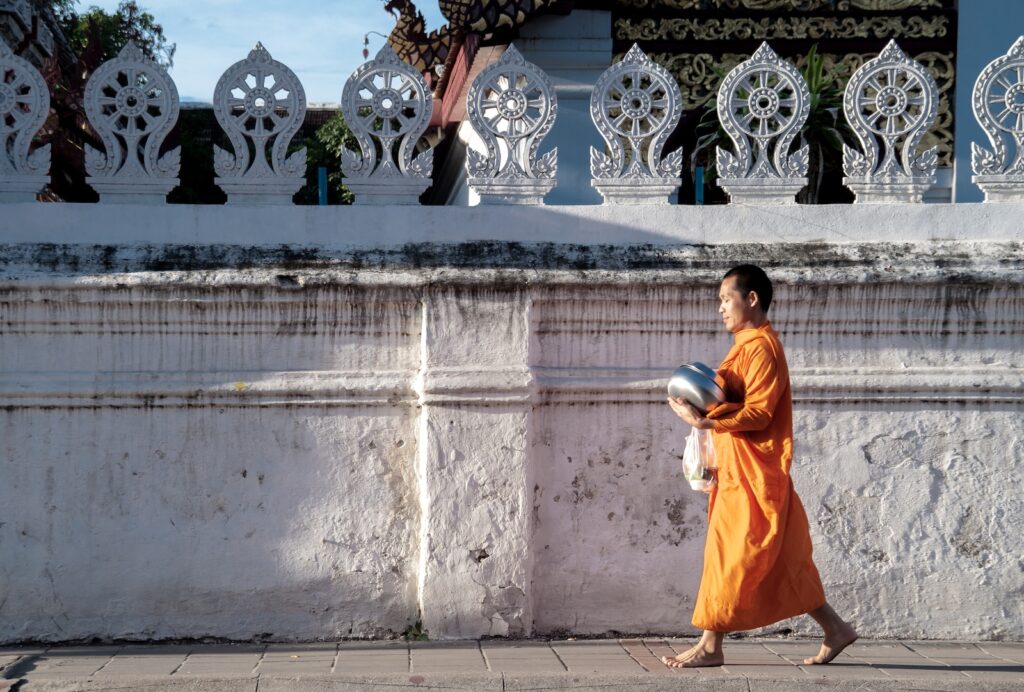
689	413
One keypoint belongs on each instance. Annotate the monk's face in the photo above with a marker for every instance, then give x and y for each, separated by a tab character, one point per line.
738	311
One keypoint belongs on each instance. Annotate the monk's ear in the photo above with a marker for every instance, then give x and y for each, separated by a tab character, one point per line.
753	300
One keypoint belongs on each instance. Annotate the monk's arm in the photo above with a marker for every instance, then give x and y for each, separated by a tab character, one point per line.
763	390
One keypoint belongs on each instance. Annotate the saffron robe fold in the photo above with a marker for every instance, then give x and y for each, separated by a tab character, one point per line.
758	567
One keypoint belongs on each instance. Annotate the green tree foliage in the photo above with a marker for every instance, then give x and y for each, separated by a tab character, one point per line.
824	133
107	32
323	148
94	37
197	131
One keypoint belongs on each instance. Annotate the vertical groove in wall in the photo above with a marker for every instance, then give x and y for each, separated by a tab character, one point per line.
422	459
529	472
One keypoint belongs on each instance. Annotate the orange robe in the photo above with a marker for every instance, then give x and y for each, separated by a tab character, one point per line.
758	567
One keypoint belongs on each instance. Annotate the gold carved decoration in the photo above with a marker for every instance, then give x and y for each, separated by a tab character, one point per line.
766	28
698	82
791	5
695	72
887	5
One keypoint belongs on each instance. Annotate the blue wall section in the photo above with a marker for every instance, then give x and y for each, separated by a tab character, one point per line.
987	29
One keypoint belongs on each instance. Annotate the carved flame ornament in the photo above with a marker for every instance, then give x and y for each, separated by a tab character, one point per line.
891	99
132	104
387	105
259	102
24	105
762	104
998	104
511	106
635	105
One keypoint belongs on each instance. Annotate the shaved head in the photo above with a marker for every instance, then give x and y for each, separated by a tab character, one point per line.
750	277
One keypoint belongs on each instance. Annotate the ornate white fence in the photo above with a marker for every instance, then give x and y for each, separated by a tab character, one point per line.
762	104
636	102
132	104
259	101
889	104
387	105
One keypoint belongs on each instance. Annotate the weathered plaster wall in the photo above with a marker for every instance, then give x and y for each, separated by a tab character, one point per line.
214	427
181	462
908	448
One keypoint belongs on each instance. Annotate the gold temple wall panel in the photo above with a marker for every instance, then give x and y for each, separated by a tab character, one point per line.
699	41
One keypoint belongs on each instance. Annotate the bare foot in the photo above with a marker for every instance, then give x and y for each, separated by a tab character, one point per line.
697	657
672	661
833	645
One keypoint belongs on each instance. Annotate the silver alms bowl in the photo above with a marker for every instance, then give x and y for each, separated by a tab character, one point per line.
695	383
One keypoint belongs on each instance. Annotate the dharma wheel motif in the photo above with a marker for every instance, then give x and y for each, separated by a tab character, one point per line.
635	105
132	104
387	104
762	104
894	100
998	104
259	103
511	106
24	106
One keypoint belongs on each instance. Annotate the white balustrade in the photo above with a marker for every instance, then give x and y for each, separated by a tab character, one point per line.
636	102
998	104
132	104
892	99
762	105
24	106
511	106
387	105
259	103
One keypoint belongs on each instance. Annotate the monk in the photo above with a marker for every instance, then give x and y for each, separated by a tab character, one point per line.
757	559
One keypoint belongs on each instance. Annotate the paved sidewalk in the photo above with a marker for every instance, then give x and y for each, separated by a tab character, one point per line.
606	664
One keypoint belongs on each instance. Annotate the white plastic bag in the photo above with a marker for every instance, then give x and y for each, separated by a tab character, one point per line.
699	462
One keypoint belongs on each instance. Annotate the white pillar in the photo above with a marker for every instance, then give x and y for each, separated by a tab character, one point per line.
573	51
474	388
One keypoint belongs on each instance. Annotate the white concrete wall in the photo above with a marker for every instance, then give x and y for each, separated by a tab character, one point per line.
316	423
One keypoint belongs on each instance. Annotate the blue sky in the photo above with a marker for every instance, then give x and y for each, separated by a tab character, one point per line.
320	40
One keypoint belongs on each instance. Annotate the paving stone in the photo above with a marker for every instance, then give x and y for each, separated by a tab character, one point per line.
522	666
142	665
781	670
766	658
284	668
144	684
446	660
358	645
995	673
384	683
927	670
593	664
63	665
311	646
394	663
291	654
654	665
230	665
660	648
286	659
838	670
951	653
155	650
523	659
618	664
1008	651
